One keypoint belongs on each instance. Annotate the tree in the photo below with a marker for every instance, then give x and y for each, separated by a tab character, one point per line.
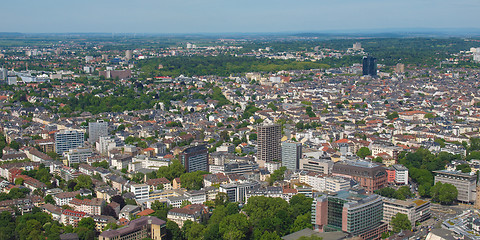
301	222
87	223
49	199
364	152
161	209
173	231
277	175
392	116
15	145
403	193
300	204
400	222
84	181
465	168
193	180
234	227
270	236
212	232
103	164
221	199
195	231
444	193
252	137
19	181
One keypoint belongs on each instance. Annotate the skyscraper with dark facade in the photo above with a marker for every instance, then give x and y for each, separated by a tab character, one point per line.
269	148
195	158
369	66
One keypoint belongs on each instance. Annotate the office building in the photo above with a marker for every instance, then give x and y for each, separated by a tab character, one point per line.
291	154
77	155
268	143
369	66
465	183
144	227
370	176
401	174
236	191
351	212
140	191
96	130
416	210
322	165
108	143
66	140
195	158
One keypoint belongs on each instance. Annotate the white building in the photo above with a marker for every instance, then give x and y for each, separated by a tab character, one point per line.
140	191
401	174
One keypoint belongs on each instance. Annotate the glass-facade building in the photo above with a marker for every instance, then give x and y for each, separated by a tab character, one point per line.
369	66
66	140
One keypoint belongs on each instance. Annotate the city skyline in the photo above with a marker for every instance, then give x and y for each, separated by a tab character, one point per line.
214	16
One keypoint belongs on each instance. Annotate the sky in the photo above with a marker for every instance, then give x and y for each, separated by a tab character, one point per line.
234	16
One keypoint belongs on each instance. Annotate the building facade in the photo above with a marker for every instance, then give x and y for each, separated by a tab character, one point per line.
369	66
351	212
96	130
291	154
370	176
268	143
465	183
195	158
66	140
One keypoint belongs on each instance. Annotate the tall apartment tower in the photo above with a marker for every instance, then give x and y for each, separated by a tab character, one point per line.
291	154
369	66
96	130
195	158
66	140
268	143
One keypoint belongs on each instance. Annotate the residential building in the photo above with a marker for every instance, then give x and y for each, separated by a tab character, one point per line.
195	158
268	143
159	183
64	198
96	130
71	217
92	206
128	211
144	227
465	183
291	154
66	140
351	212
194	212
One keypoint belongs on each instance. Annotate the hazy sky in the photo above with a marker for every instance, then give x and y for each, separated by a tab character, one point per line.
214	16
